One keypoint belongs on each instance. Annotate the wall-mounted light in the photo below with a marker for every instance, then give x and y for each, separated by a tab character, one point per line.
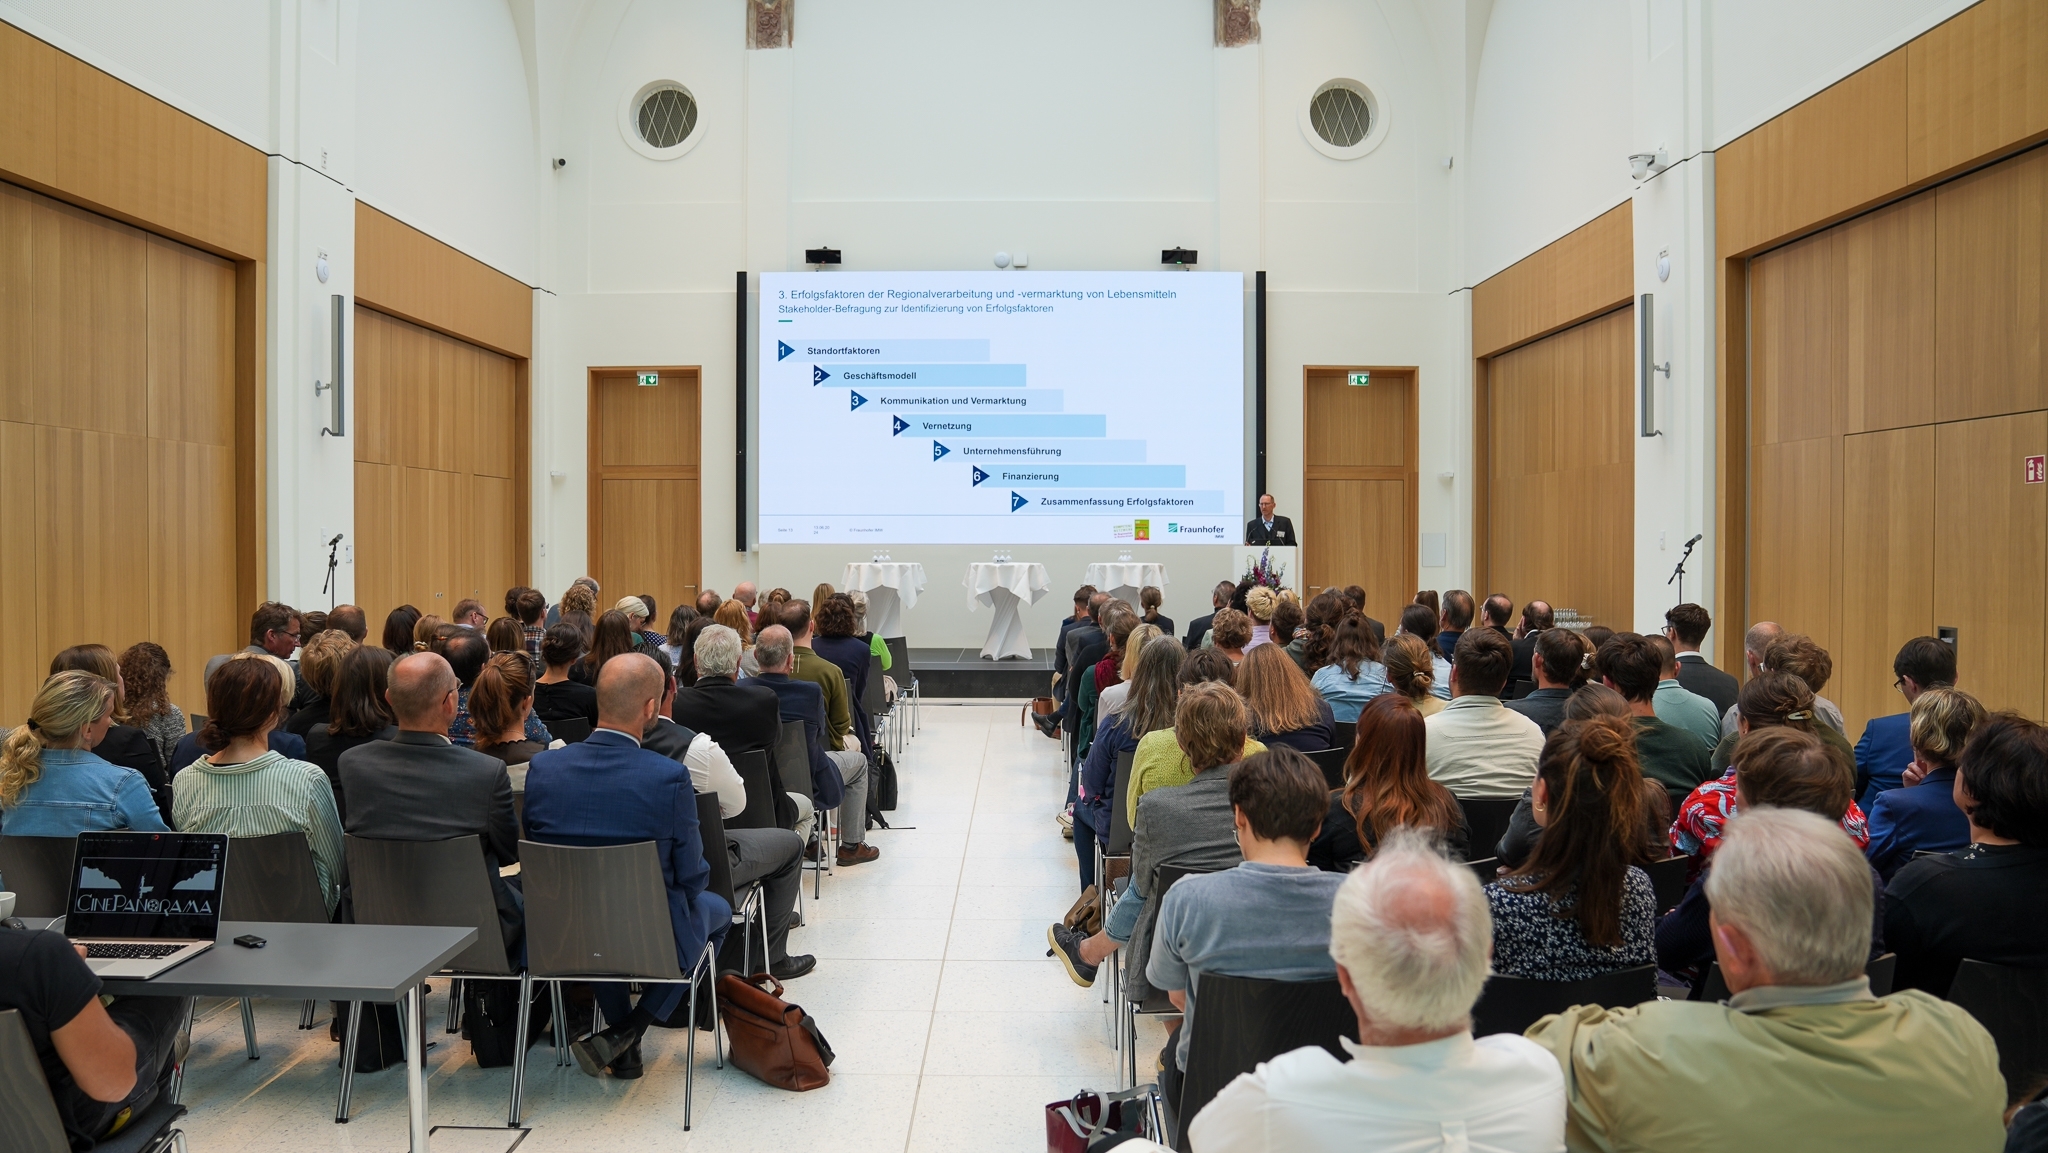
1643	165
336	425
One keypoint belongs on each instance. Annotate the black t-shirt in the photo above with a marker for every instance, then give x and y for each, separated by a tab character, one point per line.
1983	903
43	976
565	699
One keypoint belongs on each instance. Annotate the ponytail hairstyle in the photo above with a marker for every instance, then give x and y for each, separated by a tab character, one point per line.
1409	668
1324	611
496	695
99	660
423	631
1770	699
1354	646
1149	599
242	697
64	706
1595	794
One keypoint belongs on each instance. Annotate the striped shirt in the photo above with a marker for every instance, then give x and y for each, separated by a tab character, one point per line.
271	794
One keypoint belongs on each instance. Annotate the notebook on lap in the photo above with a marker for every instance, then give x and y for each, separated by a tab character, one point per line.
143	902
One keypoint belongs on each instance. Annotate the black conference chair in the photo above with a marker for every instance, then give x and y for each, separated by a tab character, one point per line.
1118	852
1155	1003
1667	879
874	701
28	1114
1486	818
2012	1004
436	883
271	879
752	767
1331	761
601	914
1241	1021
906	680
793	769
746	906
38	873
570	730
1713	987
1512	1004
1347	732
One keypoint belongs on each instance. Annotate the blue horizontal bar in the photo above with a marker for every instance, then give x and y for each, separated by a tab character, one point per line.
944	424
1084	475
889	351
1049	450
929	400
918	375
1112	502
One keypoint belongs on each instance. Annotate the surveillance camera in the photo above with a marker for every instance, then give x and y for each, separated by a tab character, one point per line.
1639	164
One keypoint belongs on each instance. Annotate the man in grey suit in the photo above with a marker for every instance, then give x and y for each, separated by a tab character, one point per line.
419	786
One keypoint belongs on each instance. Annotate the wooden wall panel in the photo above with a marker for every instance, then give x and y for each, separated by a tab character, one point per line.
1888	524
1795	367
1991	290
1881	266
1362	539
407	273
1584	273
1991	540
191	343
20	608
1841	150
645	482
1359	518
1977	85
1796	534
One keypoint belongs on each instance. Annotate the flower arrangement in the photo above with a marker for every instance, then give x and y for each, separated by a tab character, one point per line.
1266	572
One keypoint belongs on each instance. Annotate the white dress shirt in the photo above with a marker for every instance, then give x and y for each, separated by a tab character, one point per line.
1480	748
711	770
1498	1094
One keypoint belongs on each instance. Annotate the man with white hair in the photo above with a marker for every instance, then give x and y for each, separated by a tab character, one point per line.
1802	1056
1411	935
741	716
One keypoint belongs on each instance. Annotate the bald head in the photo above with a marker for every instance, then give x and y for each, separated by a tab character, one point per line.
746	593
421	691
774	648
1756	640
629	688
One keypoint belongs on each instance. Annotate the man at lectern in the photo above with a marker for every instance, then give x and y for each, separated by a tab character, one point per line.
1269	529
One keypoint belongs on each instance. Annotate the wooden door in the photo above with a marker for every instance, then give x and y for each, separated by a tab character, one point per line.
441	445
1991	556
1888	565
644	530
1558	491
1358	518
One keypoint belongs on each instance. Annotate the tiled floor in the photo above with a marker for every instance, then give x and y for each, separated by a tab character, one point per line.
952	1027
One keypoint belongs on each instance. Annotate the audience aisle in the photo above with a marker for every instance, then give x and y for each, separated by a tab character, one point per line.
952	1029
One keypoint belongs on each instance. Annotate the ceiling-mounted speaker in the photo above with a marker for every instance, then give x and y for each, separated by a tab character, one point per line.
821	256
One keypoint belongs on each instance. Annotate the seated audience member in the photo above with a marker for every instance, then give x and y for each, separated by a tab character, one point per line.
810	666
51	782
1886	747
1188	825
1198	628
607	790
1801	657
1288	617
876	644
747	593
466	653
839	777
579	597
1109	699
1149	600
1983	903
500	702
773	857
274	628
247	789
1421	622
1453	622
612	636
675	644
1161	759
1477	748
1630	664
1495	612
1085	645
1557	667
734	616
1411	673
529	607
145	675
1354	674
819	593
1147	707
426	630
398	626
470	614
1230	633
1767	701
1537	618
1410	934
505	635
555	696
1387	786
1068	624
1259	604
1285	709
318	662
1118	623
708	602
1802	1056
1268	917
1782	768
1679	707
419	786
1922	817
124	744
1354	601
739	716
1685	626
649	635
1579	906
1589	700
1317	635
350	619
106	1064
1796	656
360	715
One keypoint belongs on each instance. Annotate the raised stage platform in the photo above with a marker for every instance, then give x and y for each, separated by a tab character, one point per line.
963	673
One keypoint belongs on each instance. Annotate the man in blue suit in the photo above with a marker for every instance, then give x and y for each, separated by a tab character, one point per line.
607	790
1886	748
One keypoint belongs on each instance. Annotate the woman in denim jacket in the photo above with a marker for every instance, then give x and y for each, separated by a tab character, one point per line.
51	784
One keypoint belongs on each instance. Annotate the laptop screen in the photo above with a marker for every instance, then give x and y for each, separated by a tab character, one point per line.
149	885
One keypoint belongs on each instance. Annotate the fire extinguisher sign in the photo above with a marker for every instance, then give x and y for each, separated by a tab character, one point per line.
2037	469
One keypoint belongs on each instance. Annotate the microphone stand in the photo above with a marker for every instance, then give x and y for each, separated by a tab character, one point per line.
329	586
1678	574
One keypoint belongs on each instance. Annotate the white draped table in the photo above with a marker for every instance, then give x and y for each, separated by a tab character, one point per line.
1006	587
891	587
1122	579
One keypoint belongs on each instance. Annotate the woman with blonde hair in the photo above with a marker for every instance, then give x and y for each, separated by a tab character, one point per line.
1230	633
1109	699
423	631
124	744
319	661
579	598
52	784
819	596
1259	603
1412	672
1285	708
1922	816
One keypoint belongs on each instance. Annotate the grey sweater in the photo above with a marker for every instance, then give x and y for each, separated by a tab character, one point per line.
1186	825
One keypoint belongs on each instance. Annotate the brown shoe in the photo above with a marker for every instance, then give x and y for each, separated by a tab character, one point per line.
855	854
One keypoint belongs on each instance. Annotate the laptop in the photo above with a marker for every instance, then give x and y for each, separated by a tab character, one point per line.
143	902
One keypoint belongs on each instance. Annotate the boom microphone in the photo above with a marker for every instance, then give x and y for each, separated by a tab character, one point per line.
338	536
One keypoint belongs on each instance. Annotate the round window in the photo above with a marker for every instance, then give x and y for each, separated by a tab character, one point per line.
1343	119
660	120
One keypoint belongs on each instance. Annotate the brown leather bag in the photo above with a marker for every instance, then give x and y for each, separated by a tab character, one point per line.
773	1040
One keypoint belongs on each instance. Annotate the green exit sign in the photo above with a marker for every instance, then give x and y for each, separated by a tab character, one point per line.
1358	379
650	380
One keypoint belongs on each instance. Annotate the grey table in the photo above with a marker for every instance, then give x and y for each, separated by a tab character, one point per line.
354	963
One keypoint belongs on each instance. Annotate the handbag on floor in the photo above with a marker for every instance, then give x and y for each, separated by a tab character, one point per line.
490	1018
1092	1122
380	1043
769	1038
882	793
1085	917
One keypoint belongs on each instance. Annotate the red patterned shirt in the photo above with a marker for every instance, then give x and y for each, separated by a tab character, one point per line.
1704	817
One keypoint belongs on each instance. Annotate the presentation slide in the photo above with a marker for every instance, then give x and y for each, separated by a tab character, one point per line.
1002	407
